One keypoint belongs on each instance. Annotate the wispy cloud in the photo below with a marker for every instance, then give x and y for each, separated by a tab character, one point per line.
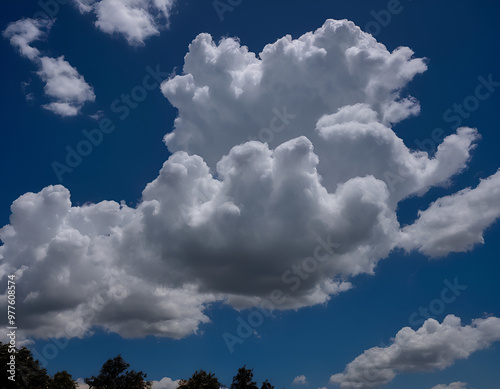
63	84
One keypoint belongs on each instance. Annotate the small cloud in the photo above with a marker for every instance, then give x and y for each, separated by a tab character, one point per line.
98	115
299	380
453	385
25	31
165	383
63	84
80	384
136	21
30	96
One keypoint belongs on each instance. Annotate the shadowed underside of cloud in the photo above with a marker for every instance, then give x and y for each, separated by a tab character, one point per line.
136	20
233	220
433	346
63	84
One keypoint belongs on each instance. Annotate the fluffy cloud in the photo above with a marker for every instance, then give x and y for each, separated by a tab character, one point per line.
299	380
433	346
84	283
456	222
25	31
453	385
227	94
165	383
235	220
63	84
137	20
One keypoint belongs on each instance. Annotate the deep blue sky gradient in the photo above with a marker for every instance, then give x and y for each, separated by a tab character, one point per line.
460	41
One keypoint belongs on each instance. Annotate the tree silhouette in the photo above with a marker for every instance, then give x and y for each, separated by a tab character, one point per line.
200	380
266	385
243	380
29	373
63	380
113	375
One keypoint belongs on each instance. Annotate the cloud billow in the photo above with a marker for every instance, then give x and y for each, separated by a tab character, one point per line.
232	220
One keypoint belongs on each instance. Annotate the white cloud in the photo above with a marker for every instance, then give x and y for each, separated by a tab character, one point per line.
433	346
25	31
136	20
80	384
165	383
456	222
84	5
227	94
301	214
453	385
63	84
300	380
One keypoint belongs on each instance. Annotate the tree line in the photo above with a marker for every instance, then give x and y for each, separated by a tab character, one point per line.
115	373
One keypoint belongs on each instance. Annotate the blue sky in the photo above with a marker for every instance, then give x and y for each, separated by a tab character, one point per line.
457	44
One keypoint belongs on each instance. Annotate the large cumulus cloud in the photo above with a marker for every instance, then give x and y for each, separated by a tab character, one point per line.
227	94
231	219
